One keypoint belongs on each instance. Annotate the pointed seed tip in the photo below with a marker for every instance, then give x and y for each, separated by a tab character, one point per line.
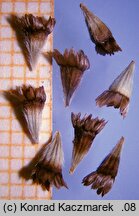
35	140
66	105
57	134
133	62
119	145
122	140
82	6
67	102
132	66
71	171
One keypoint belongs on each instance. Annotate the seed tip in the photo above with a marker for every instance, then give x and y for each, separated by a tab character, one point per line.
57	134
122	140
71	171
81	5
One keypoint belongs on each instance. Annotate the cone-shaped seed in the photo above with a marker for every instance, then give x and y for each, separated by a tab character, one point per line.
119	92
103	178
32	101
85	130
48	170
124	82
100	34
72	66
32	32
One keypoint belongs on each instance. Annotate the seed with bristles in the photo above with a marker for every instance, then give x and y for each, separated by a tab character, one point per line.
119	93
32	102
48	169
32	32
103	178
100	34
85	130
72	66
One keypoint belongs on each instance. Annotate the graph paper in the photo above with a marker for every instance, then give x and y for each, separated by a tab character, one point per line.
16	150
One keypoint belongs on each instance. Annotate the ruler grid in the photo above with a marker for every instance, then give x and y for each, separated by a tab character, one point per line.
16	150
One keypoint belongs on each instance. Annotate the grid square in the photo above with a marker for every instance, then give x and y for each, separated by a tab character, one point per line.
17	138
5	59
44	137
20	7
45	125
18	59
32	7
16	151
45	6
4	164
45	72
15	178
6	32
5	71
16	126
4	125
29	151
27	140
18	72
4	191
4	178
16	191
4	111
16	46
3	20
6	7
5	46
29	191
5	84
31	74
16	164
4	138
4	151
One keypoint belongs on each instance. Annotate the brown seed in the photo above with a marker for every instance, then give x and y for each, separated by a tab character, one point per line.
119	93
32	32
72	67
103	178
85	130
32	101
48	170
100	34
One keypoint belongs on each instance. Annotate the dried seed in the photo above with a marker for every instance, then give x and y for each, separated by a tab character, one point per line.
48	169
85	130
32	101
72	67
100	34
32	32
103	178
119	92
